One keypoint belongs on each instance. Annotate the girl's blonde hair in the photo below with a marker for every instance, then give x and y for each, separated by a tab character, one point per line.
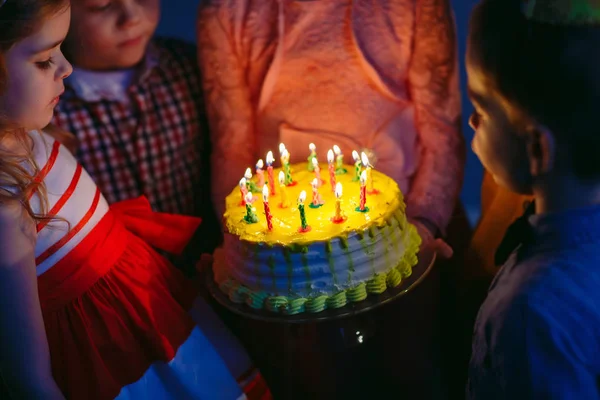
20	19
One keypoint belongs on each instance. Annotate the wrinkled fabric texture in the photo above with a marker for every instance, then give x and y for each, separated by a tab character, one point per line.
363	74
537	334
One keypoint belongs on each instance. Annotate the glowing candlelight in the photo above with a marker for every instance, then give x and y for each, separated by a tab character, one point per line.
339	158
250	216
317	201
260	173
243	190
282	150
304	226
270	160
317	170
368	167
265	193
331	169
311	156
363	193
251	185
357	166
339	216
284	197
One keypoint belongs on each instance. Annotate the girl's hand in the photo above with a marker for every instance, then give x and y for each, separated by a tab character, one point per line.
430	241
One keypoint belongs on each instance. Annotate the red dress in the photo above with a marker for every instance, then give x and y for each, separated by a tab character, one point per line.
121	321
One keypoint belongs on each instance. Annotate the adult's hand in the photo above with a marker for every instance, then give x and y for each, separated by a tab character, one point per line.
430	241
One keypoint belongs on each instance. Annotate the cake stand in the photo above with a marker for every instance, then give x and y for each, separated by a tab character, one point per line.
426	257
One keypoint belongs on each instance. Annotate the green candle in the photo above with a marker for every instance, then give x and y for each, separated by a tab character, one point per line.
339	158
250	216
301	200
312	155
285	160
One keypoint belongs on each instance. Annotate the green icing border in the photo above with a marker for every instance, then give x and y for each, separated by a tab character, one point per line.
285	305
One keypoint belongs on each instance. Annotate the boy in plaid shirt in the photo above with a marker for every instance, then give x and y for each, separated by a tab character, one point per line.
135	106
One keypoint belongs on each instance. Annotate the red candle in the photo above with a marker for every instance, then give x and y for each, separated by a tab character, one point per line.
317	170
265	193
243	191
363	190
270	160
331	170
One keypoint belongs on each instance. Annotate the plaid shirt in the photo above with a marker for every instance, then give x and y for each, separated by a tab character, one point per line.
151	142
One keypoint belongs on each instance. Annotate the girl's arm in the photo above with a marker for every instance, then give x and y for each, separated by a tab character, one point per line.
433	82
25	361
224	67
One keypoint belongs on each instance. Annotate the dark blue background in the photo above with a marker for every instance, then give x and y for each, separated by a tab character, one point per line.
179	18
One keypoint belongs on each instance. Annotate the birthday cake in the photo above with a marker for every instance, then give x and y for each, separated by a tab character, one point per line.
301	239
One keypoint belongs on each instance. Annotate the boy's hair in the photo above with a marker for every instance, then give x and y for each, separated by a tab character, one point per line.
545	72
20	19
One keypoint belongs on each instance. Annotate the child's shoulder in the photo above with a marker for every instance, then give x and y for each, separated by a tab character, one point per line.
559	286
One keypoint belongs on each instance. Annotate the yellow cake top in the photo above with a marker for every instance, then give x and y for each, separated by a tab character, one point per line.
286	221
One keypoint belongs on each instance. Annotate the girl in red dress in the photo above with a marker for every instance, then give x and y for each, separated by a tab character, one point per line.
88	308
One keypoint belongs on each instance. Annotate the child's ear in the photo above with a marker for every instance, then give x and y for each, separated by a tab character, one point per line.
541	150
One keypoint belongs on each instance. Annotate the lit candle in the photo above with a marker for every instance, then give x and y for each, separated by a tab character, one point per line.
339	217
260	173
251	185
281	151
317	201
250	216
368	167
339	158
284	197
331	169
363	193
311	156
317	170
285	160
270	160
304	226
265	193
243	191
357	166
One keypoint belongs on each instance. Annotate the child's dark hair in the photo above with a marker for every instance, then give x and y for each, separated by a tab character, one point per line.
546	72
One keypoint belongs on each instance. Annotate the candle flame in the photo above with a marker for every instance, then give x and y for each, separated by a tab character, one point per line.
330	156
281	148
315	162
259	164
355	156
243	182
302	197
338	190
315	183
312	147
265	193
285	154
281	177
249	197
363	178
337	150
270	158
365	159
248	174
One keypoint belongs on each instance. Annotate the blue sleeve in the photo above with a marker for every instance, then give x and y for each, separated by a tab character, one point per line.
534	352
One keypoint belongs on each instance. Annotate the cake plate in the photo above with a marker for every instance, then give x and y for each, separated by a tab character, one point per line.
426	257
